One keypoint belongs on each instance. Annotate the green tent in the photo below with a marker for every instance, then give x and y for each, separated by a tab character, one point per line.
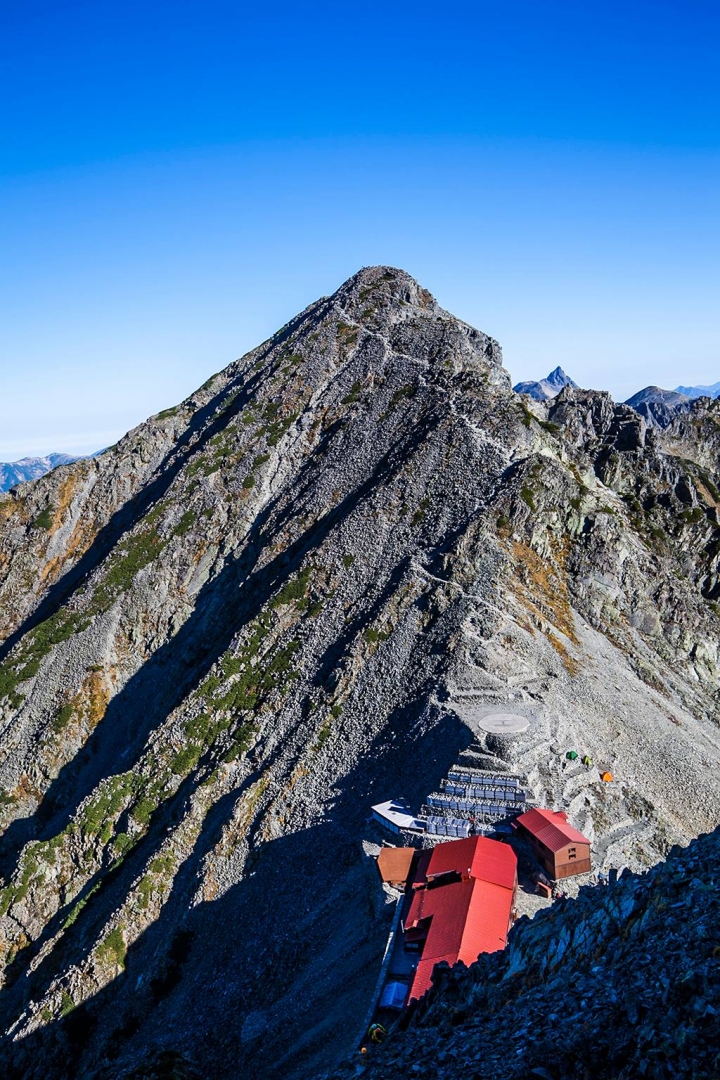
571	755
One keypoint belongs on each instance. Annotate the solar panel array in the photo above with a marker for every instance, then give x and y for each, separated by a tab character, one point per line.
470	798
448	826
474	805
466	775
484	793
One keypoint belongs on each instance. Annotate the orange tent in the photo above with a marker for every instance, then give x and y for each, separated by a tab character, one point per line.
607	777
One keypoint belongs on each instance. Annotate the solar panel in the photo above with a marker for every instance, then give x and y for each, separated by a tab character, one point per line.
469	796
482	775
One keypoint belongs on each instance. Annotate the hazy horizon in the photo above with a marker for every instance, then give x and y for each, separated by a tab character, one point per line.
111	436
177	182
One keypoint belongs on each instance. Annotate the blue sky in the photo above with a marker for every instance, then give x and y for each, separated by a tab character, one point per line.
177	180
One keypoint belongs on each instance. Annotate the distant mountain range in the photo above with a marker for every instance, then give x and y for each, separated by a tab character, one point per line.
699	391
657	406
29	468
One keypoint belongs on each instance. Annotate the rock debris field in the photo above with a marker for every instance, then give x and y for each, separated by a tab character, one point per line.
264	610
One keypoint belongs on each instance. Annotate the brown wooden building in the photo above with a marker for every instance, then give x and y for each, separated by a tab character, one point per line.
395	865
561	850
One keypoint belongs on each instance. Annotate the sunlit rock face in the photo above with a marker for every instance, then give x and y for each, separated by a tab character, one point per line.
229	635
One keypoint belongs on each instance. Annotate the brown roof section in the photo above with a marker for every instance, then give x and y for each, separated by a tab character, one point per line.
551	828
394	864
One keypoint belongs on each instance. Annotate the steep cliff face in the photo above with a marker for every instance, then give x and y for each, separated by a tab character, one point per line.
282	600
622	982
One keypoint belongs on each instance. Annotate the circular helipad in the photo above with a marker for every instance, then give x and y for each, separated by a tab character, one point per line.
503	723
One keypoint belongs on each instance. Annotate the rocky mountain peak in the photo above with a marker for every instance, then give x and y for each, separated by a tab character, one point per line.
546	388
388	283
382	298
291	596
558	378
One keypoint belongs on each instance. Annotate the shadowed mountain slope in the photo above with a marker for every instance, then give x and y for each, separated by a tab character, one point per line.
270	606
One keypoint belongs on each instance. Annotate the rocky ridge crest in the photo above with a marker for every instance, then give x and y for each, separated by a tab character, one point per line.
268	607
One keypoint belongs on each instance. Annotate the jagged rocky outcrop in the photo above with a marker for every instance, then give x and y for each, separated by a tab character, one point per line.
29	468
268	607
622	982
547	388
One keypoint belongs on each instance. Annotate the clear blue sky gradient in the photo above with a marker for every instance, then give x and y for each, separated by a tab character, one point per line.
178	179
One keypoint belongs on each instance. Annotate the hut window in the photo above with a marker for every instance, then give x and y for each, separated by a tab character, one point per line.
572	854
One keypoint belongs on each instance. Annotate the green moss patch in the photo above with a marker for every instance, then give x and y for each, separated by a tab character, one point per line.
44	520
113	950
528	498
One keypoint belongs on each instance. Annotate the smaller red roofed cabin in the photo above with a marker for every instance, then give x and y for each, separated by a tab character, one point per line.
562	851
462	904
395	865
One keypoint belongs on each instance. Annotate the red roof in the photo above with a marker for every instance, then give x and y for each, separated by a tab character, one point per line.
465	918
495	863
423	976
551	828
475	857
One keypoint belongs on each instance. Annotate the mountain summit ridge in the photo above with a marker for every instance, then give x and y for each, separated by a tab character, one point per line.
285	599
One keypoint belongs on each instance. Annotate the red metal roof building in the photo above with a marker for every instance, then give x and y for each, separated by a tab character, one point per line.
462	904
476	856
562	850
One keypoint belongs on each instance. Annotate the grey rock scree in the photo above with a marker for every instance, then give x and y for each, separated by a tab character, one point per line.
271	606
